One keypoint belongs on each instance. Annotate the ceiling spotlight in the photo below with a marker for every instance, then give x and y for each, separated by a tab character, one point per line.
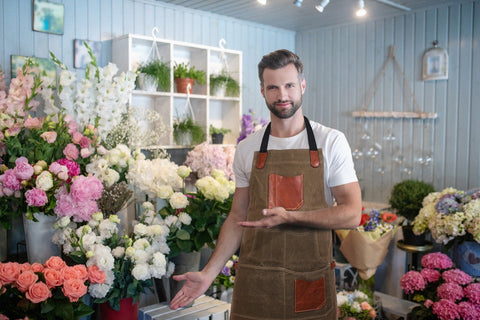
361	9
298	3
262	2
322	5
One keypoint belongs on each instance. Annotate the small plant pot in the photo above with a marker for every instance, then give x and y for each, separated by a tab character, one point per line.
411	238
220	91
217	138
182	85
147	83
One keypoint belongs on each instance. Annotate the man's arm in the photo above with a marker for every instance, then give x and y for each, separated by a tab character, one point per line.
345	215
227	244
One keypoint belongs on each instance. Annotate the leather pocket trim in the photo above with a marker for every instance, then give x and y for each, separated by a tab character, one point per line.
309	295
285	192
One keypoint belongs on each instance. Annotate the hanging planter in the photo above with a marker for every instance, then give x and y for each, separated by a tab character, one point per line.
183	71
184	85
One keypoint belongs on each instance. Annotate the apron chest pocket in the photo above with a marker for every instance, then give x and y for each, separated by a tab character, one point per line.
286	192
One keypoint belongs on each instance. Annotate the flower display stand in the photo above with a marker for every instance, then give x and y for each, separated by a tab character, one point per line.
203	308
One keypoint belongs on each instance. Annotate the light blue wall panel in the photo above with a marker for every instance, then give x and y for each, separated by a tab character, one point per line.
349	60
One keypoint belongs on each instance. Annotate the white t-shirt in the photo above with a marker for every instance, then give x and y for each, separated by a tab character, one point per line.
338	162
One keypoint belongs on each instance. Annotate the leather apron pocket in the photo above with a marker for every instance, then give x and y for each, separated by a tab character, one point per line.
285	192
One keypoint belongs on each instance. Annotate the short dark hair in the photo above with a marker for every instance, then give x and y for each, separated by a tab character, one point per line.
279	59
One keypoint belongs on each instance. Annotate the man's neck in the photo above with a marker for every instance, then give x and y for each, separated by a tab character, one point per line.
284	128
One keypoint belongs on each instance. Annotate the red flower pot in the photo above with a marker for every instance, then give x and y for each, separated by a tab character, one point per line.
128	311
183	85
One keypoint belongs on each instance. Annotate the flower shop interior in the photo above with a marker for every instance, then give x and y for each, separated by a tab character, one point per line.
107	164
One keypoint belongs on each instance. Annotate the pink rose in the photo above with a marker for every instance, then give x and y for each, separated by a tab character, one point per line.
36	197
95	275
37	267
55	263
71	152
76	137
25	267
9	272
68	273
82	272
74	289
25	280
53	278
49	136
38	292
85	142
32	123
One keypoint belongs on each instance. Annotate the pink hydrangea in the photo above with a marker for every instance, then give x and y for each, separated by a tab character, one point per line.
446	310
204	158
428	303
23	170
456	276
72	166
36	197
450	290
468	311
472	292
412	281
430	275
436	260
71	151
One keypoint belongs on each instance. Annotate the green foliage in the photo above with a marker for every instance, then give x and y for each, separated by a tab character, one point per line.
184	70
407	197
158	70
232	88
188	125
215	130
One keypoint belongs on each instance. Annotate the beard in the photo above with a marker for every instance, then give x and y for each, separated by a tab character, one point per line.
284	113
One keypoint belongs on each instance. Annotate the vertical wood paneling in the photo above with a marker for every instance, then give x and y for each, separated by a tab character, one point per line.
452	139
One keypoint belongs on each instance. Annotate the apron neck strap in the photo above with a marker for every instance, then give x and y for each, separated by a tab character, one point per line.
312	145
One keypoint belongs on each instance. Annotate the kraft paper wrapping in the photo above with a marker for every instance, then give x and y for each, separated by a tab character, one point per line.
363	251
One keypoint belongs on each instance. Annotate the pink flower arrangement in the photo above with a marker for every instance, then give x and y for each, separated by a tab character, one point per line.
205	158
444	292
52	290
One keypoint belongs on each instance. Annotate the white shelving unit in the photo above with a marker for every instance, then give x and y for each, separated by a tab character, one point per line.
129	51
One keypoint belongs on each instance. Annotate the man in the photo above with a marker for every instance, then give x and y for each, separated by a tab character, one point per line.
288	176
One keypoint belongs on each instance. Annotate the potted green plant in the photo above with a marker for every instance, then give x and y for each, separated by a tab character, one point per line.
224	85
156	72
406	198
186	132
185	75
217	134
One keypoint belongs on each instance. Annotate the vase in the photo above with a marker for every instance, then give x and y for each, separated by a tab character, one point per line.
466	256
38	238
127	311
3	244
183	138
184	85
226	295
147	82
184	262
126	216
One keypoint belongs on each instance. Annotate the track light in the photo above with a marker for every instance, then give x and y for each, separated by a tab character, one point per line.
298	3
262	2
361	9
320	7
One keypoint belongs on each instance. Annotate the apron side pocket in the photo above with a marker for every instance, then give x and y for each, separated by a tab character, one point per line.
309	295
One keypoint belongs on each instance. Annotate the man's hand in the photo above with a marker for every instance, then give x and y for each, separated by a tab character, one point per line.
272	217
196	284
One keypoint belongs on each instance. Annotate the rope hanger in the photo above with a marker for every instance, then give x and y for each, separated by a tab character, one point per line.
392	114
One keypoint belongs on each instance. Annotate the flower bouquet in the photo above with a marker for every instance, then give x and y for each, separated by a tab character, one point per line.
250	124
50	291
367	245
450	215
205	158
226	278
128	261
354	305
443	292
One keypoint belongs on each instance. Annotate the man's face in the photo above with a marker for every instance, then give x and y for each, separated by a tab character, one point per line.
283	91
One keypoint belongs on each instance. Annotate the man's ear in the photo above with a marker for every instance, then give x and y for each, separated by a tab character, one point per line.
261	90
303	84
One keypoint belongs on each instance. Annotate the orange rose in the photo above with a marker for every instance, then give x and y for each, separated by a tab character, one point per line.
55	263
95	275
25	280
9	272
74	289
37	267
53	278
38	292
82	272
68	273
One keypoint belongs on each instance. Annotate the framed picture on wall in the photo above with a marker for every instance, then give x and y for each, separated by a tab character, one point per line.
48	17
435	64
81	54
41	65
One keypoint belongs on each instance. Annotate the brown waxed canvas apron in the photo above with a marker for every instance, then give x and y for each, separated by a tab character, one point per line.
285	272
